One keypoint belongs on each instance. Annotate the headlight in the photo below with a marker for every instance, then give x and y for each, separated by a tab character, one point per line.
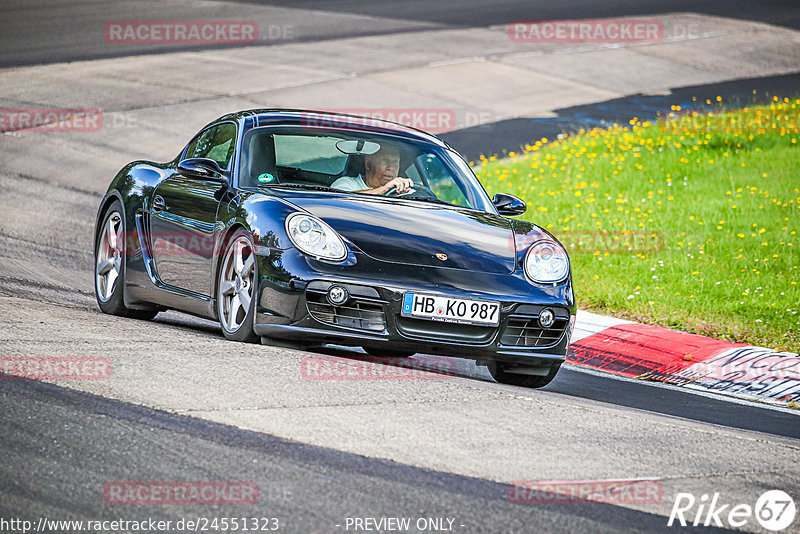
315	238
546	262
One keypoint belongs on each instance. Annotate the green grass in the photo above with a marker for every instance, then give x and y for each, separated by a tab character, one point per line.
689	222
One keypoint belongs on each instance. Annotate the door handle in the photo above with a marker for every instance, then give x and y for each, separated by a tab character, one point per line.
158	204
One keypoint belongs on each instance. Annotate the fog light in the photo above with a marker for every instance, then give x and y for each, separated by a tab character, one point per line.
547	318
338	295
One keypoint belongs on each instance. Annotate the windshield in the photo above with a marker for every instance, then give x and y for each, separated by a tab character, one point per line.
358	163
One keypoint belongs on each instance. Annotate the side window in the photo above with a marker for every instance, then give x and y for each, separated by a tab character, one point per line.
441	181
216	143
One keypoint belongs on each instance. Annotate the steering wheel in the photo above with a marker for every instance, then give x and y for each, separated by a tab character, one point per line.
418	190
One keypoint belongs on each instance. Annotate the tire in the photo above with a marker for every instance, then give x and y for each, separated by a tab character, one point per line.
500	372
388	353
109	265
237	278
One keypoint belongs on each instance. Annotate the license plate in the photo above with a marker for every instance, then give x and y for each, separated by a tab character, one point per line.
439	308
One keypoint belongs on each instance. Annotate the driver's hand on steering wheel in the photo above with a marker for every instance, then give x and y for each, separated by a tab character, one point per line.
400	185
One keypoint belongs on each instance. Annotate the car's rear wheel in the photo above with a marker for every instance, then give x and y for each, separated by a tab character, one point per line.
388	353
109	270
517	375
236	288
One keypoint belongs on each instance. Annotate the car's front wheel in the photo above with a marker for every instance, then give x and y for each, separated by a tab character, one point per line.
109	270
236	288
516	375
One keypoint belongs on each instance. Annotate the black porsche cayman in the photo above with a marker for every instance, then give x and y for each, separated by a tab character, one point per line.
252	225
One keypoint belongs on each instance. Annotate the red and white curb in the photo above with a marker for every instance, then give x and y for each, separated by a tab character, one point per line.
654	353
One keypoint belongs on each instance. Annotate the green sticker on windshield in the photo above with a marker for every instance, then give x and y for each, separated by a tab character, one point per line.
265	178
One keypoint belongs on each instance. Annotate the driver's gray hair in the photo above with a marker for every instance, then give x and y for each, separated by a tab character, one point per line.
383	150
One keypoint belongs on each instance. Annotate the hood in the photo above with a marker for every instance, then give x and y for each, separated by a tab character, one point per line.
410	232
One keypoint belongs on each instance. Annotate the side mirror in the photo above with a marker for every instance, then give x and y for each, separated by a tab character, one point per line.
508	205
203	168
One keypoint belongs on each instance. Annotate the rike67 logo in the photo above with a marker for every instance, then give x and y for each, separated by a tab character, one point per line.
774	510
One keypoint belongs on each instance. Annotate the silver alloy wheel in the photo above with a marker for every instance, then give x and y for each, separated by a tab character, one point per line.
109	256
236	284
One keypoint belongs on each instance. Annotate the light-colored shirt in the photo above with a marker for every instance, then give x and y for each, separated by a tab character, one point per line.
349	183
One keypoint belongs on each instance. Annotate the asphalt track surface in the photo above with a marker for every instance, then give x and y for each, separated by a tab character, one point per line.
309	489
42	31
60	446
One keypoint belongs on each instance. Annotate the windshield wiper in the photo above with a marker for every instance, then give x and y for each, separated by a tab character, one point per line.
324	188
308	186
425	199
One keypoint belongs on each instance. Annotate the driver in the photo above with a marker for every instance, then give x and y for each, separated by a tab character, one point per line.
380	174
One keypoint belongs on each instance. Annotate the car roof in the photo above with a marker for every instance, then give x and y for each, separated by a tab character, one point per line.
325	119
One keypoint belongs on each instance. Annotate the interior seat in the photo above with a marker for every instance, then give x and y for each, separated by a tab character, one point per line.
354	167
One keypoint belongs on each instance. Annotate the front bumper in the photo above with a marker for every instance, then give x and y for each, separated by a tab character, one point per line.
292	306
